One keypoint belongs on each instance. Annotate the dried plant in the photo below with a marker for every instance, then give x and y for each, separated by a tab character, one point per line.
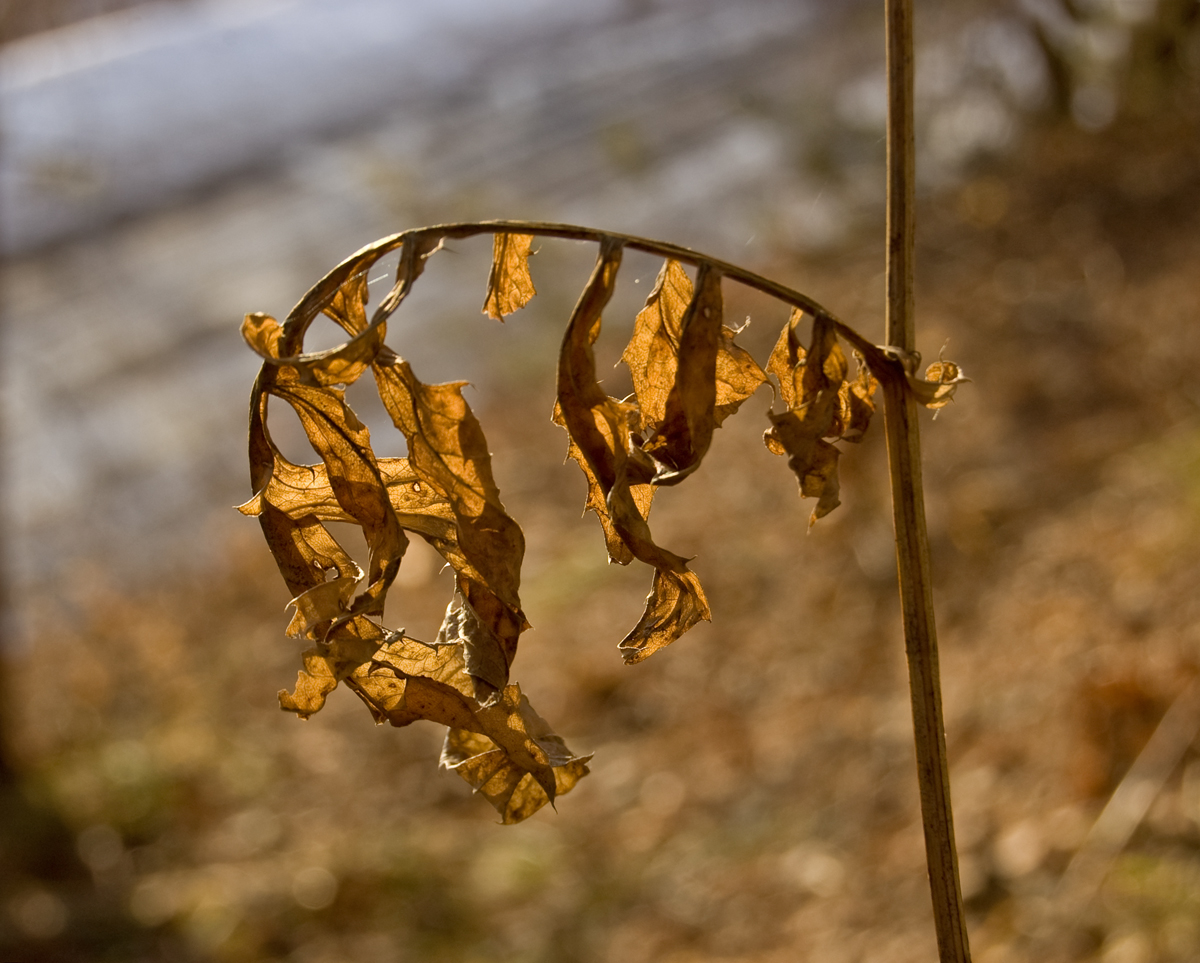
689	375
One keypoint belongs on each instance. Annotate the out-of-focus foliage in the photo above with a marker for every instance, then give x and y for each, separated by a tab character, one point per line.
1112	56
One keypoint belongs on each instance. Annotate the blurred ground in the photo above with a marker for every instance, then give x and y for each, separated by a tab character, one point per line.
752	795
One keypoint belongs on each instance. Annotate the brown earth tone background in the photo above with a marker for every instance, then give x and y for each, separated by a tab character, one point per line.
752	795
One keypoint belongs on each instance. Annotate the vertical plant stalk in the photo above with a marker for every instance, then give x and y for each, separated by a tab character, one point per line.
908	503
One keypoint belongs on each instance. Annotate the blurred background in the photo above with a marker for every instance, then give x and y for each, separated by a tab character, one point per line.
166	167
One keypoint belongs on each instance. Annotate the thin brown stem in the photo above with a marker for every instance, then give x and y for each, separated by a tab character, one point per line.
901	167
424	240
908	505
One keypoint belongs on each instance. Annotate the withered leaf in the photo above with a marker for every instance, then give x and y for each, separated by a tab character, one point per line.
942	379
688	374
448	451
303	549
408	681
738	376
510	286
856	404
787	360
681	440
313	684
322	604
262	332
349	305
513	791
652	354
675	604
342	365
306	553
338	437
344	445
506	739
815	465
597	424
811	385
599	429
483	652
642	494
346	652
302	490
444	664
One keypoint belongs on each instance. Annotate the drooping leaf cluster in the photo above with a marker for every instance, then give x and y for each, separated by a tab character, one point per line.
688	374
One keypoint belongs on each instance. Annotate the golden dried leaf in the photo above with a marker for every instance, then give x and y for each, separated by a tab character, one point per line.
787	360
342	365
652	354
349	306
813	383
680	441
510	286
599	428
444	491
855	398
514	792
483	652
313	685
510	736
303	549
448	451
346	652
262	332
738	376
642	494
321	605
344	445
688	374
302	490
675	604
408	681
856	403
942	379
444	664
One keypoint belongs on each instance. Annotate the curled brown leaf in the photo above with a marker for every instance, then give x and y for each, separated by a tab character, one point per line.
510	285
640	493
675	604
504	750
652	354
448	452
680	441
599	428
811	385
688	374
941	380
